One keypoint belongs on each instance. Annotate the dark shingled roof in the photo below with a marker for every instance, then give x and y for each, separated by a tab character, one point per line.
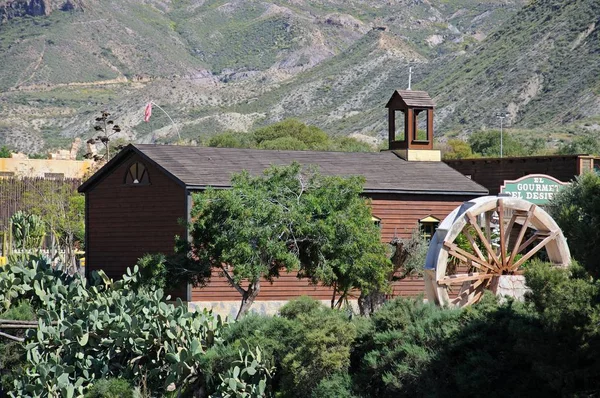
418	99
199	167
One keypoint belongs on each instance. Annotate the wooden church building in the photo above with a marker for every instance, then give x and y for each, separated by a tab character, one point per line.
136	202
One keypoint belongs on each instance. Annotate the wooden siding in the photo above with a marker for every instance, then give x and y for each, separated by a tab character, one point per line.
288	286
399	215
125	222
491	173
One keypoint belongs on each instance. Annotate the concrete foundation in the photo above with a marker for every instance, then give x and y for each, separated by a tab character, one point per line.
231	308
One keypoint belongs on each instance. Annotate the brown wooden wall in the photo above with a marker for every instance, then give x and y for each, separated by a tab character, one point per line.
124	222
399	215
288	286
491	173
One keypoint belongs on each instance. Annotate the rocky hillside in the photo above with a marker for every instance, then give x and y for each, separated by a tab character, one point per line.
23	8
542	68
216	65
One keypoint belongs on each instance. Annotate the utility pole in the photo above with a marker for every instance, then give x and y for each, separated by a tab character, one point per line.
501	116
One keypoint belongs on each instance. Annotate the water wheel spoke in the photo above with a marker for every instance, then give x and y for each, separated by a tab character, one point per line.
474	245
460	278
536	236
477	285
488	225
536	249
475	297
501	225
473	221
509	227
517	244
465	256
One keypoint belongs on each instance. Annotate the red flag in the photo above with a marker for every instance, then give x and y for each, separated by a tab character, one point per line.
148	112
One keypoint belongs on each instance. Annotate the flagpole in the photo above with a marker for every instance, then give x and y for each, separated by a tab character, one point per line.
165	112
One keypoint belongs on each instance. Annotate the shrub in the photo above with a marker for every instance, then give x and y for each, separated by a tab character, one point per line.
12	354
307	344
390	357
338	385
300	306
110	388
153	270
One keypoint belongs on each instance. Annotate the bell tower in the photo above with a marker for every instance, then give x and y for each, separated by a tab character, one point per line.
414	141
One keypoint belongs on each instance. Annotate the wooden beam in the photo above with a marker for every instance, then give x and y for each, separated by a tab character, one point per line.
474	246
537	235
521	235
509	228
11	337
472	288
502	239
485	242
455	250
488	227
537	248
460	278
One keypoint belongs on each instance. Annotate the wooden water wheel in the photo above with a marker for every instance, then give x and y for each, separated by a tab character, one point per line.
485	240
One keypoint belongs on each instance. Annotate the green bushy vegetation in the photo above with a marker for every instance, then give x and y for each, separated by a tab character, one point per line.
5	152
545	346
121	338
122	329
291	135
577	211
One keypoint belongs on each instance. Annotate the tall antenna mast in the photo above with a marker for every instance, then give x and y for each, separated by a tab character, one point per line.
409	77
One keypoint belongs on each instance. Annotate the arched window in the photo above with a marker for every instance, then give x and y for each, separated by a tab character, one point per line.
137	175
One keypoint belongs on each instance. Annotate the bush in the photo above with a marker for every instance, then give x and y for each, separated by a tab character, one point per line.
153	270
406	334
307	344
12	353
110	388
576	210
300	306
338	385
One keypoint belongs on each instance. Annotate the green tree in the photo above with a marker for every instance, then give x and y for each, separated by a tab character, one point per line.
305	137
62	209
458	149
487	143
576	209
288	219
289	134
584	145
5	152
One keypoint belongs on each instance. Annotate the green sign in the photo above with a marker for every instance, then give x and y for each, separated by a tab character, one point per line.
535	188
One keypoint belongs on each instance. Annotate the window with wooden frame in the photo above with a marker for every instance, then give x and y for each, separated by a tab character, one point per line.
376	221
428	225
137	175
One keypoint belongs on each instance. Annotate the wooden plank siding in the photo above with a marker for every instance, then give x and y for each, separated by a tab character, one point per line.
399	215
491	173
124	222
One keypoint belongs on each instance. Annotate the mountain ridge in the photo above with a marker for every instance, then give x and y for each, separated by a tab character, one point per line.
237	65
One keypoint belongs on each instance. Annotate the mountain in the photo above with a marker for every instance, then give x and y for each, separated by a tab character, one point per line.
215	65
542	68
